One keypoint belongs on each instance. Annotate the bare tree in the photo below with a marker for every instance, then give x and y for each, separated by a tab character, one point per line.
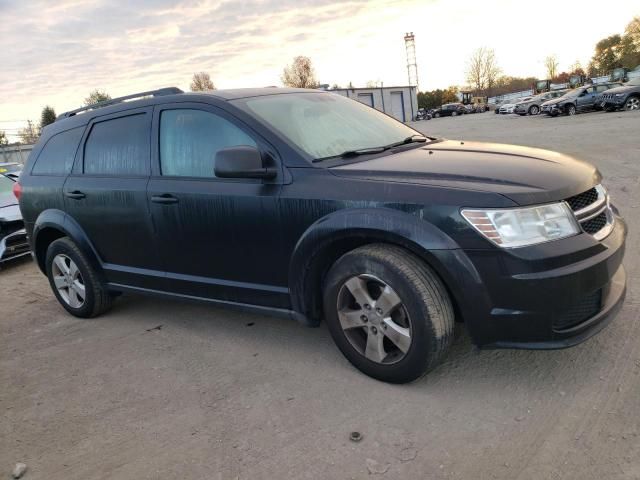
491	69
4	141
482	70
29	134
201	82
300	74
96	96
551	64
475	76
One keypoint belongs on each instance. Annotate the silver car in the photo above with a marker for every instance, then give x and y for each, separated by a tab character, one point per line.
532	105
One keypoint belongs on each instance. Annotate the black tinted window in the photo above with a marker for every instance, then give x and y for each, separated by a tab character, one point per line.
189	140
56	158
118	147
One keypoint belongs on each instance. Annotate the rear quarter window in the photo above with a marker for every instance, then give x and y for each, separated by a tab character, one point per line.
119	146
56	157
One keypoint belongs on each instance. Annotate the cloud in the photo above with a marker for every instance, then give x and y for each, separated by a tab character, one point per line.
61	51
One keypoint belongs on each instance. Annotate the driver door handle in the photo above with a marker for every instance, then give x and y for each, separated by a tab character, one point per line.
164	199
76	195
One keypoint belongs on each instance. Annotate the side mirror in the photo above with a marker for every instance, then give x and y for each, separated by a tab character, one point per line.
242	161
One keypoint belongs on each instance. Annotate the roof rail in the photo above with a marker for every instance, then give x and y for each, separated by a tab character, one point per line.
151	93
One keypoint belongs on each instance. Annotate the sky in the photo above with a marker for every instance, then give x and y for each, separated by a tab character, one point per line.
56	52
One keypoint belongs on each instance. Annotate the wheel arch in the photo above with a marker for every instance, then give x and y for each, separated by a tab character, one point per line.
53	224
329	238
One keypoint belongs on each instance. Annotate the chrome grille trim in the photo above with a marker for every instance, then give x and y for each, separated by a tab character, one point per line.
594	209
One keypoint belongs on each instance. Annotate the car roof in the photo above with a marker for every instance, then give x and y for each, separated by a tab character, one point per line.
236	93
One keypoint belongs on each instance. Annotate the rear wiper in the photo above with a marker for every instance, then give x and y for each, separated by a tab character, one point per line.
367	151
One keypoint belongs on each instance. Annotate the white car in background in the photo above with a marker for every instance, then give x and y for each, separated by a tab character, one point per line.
510	107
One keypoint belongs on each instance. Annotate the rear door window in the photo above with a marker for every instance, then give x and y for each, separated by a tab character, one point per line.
119	146
56	158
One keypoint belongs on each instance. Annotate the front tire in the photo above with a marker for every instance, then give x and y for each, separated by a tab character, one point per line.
74	282
388	313
571	110
453	114
534	110
632	103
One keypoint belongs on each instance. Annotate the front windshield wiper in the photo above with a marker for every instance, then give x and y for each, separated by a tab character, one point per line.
366	151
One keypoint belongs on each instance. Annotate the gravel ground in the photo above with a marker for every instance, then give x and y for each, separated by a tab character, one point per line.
162	389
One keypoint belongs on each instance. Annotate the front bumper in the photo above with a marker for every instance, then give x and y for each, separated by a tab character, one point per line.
14	245
611	102
551	109
553	295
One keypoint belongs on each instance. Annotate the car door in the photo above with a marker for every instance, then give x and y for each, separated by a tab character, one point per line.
219	238
106	195
587	100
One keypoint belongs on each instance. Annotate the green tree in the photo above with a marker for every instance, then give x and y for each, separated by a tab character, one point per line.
606	56
96	96
47	117
201	82
300	74
630	45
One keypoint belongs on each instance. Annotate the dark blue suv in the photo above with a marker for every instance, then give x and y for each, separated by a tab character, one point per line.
309	205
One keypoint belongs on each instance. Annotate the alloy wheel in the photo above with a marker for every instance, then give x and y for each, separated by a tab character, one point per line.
68	281
374	319
571	110
534	110
632	104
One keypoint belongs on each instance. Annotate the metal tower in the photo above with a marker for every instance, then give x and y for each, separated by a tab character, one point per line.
412	65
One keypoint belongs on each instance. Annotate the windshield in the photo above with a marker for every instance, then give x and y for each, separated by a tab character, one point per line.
326	124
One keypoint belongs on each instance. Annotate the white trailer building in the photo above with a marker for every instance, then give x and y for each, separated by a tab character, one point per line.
399	102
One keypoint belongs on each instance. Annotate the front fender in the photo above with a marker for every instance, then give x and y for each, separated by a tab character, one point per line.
54	219
351	228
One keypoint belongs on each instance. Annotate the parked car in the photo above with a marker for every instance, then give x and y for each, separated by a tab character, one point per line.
423	114
577	100
470	108
531	106
624	97
10	168
508	108
13	237
314	206
449	110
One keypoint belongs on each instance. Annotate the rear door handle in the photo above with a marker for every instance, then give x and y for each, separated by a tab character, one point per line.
164	199
76	195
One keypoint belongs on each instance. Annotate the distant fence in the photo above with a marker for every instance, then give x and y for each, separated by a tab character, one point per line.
15	153
554	86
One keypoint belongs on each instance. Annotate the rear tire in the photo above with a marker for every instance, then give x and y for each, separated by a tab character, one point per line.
395	344
74	282
437	115
453	114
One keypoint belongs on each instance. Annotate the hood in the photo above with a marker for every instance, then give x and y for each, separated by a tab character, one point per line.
622	89
525	175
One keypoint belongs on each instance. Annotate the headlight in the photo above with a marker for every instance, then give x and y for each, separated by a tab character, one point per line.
518	227
620	94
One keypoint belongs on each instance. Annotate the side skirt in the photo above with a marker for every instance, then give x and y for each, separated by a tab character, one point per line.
244	307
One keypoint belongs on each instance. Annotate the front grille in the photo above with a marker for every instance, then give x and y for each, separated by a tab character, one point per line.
582	310
595	224
578	202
